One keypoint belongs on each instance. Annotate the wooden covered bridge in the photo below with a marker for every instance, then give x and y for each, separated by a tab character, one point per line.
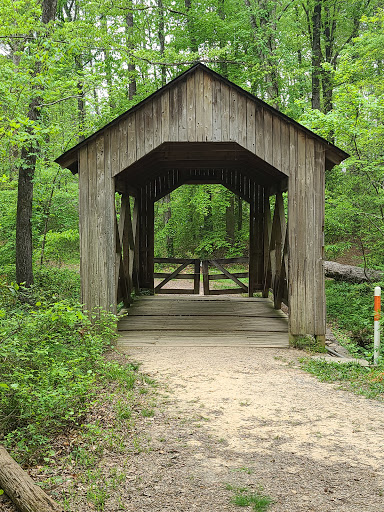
201	128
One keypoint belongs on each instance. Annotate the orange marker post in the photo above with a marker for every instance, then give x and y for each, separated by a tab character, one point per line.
376	323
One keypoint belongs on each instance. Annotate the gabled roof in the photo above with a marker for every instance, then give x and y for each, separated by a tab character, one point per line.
69	158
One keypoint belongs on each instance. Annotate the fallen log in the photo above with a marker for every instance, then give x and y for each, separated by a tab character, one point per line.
350	273
21	489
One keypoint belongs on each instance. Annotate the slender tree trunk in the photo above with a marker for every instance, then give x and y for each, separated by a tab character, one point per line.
161	34
230	221
24	247
316	54
167	218
223	66
191	28
80	99
239	213
130	45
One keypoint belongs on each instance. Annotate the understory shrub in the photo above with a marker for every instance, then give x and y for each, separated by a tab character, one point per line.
350	306
50	362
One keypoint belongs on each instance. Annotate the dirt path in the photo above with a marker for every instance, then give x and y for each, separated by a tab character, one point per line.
250	417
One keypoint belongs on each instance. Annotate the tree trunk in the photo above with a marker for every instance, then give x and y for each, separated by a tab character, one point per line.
167	218
24	248
191	28
161	34
230	221
350	273
131	67
316	54
21	489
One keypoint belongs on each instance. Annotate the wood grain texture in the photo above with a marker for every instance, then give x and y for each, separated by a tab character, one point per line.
203	321
21	489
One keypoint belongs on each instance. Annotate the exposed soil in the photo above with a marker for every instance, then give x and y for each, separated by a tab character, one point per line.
239	416
251	417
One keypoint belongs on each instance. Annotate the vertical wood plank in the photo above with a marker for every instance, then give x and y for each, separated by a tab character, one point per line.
165	116
292	234
259	144
251	126
205	270
101	240
268	137
242	120
319	278
309	205
302	259
225	112
217	106
110	215
285	148
115	149
140	133
93	247
173	114
131	139
196	279
191	108
276	142
156	122
148	126
233	116
182	111
123	138
199	93
207	108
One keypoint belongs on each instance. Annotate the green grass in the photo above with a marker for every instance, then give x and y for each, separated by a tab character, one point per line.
362	380
244	497
308	343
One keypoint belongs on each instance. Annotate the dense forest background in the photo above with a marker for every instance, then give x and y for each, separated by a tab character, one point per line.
68	69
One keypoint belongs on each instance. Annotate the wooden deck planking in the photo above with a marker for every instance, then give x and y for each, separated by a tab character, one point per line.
203	321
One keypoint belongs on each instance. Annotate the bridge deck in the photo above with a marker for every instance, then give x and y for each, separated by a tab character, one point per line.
203	321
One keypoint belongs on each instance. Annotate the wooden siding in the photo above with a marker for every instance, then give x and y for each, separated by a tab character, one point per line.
306	225
201	109
97	219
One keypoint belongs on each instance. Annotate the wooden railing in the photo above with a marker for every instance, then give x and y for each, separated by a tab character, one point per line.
204	267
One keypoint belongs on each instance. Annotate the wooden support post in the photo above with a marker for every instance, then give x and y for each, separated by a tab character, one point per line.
146	240
196	281
306	224
256	241
205	277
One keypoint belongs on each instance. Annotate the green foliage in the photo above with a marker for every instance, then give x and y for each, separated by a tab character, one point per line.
50	362
362	380
350	307
58	283
197	224
62	246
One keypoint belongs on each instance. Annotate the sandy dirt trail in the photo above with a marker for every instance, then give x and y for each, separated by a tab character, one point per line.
251	417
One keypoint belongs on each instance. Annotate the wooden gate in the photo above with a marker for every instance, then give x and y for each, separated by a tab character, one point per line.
205	266
219	264
177	274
